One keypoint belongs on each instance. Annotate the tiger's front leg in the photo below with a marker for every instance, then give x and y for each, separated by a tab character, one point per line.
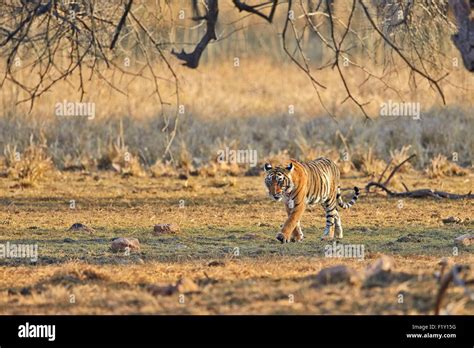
297	235
292	224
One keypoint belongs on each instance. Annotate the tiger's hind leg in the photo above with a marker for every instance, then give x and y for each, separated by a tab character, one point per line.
330	208
337	225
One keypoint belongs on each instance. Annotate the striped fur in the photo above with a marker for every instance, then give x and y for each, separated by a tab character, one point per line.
307	183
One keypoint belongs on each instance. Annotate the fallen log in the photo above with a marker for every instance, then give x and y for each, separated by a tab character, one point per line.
420	193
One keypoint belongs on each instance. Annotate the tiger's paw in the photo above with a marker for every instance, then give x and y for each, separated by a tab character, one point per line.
297	238
281	237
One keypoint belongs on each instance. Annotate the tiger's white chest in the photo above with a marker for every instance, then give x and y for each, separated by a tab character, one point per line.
289	202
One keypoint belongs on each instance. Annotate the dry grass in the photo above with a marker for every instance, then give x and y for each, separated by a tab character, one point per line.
277	285
217	216
368	164
441	167
28	167
219	209
399	155
82	144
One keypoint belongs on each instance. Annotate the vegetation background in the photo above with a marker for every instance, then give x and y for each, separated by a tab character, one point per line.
246	94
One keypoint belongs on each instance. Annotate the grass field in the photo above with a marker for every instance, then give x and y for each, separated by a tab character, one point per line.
226	251
118	169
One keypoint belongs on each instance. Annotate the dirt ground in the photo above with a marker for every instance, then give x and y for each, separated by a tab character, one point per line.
226	251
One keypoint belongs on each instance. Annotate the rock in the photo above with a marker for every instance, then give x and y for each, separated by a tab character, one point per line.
409	238
452	220
25	291
216	263
336	274
182	176
465	239
78	227
120	244
165	229
185	285
382	264
157	290
69	240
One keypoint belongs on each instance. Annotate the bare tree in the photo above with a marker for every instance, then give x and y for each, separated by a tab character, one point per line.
49	41
410	31
59	38
464	39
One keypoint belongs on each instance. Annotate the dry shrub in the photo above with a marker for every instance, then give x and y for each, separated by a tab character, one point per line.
345	167
368	164
440	167
281	158
120	159
78	163
308	152
342	160
29	167
160	169
185	162
398	156
3	167
77	275
187	165
226	166
216	168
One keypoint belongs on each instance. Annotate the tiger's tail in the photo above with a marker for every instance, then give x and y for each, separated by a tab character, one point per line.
343	204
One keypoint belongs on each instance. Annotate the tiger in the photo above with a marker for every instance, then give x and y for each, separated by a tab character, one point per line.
300	184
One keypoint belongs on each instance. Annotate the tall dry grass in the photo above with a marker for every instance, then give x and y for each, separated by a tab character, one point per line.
140	143
258	87
265	103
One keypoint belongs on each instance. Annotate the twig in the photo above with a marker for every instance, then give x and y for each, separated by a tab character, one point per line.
397	168
383	173
452	277
241	6
121	23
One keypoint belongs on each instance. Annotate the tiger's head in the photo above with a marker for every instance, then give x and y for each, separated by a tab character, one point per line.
278	180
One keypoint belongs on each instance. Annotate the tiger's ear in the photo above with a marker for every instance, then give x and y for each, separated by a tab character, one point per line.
289	167
267	167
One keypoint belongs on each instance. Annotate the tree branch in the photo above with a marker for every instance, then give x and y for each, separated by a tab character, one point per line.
191	60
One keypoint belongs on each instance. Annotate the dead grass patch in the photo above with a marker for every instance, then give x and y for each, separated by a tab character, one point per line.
440	167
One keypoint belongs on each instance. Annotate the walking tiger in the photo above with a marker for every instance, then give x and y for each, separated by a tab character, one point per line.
307	183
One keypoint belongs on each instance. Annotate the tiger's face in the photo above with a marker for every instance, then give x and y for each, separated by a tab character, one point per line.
278	180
